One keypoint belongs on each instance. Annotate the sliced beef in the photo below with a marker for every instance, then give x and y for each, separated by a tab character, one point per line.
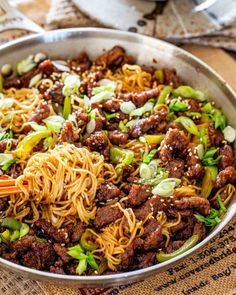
193	105
227	157
111	105
138	194
8	142
106	215
139	98
68	134
41	256
61	251
117	137
170	77
24	243
57	267
144	125
195	168
55	94
77	230
216	137
81	64
146	259
108	191
99	142
41	113
175	168
128	256
174	144
174	245
198	203
3	204
228	175
81	117
152	205
87	85
200	230
43	227
111	58
152	234
21	81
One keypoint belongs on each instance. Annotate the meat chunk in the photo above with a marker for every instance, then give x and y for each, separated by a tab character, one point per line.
195	168
153	240
193	105
228	175
81	64
152	205
227	157
44	227
55	94
87	85
198	203
77	230
200	230
41	113
138	194
112	57
146	259
99	142
14	170
8	142
68	134
112	105
61	251
81	117
22	81
41	256
174	245
170	77
24	243
139	98
216	137
128	256
174	143
144	125
106	215
117	137
108	191
3	204
175	168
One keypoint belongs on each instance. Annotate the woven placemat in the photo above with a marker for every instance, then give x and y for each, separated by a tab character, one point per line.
211	271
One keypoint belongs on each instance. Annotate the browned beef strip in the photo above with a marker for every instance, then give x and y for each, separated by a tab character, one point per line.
21	81
4	143
216	137
42	226
198	203
111	105
77	230
108	191
57	267
111	126
139	98
184	234
146	259
3	203
55	94
41	256
193	105
112	57
128	256
24	243
174	143
68	134
228	175
227	157
170	77
175	168
127	171
99	142
61	251
117	137
174	245
138	194
200	230
154	239
81	117
195	168
41	113
152	205
128	59
106	215
144	125
90	82
81	63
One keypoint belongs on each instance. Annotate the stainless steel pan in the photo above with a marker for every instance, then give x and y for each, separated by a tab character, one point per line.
68	43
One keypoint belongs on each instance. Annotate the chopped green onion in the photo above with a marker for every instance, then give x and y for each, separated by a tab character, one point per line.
194	114
166	187
200	150
6	236
34	80
8	164
6	103
119	155
4	135
127	107
106	82
203	139
82	266
25	65
54	123
154	139
24	229
86	241
5	158
142	139
1	83
132	122
91	261
140	111
220	121
188	124
102	89
221	203
122	126
91	126
67	107
147	158
208	159
229	134
71	85
211	152
210	220
208	180
61	65
110	116
36	126
164	94
208	108
99	97
145	171
77	248
15	236
11	223
177	106
159	74
189	92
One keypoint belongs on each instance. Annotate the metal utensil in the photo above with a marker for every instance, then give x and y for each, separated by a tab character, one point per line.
205	5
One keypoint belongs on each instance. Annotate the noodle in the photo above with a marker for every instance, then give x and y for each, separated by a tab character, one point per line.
62	183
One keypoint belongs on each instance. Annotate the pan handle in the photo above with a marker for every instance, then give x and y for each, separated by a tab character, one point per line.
11	18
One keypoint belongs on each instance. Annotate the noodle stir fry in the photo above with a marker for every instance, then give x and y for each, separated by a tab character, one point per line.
110	166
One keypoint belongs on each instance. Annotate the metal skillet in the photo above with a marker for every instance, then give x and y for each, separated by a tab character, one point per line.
149	51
